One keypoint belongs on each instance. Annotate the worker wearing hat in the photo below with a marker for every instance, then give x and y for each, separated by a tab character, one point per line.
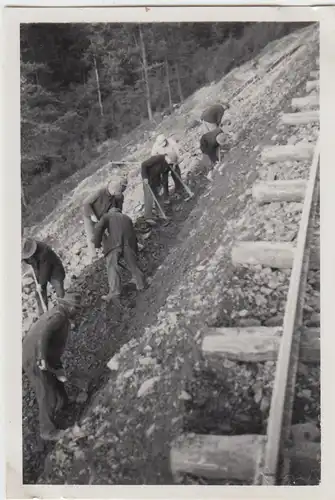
155	171
211	142
120	242
47	266
212	116
42	349
169	147
98	204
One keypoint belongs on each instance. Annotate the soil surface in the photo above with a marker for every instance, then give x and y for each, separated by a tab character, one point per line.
124	430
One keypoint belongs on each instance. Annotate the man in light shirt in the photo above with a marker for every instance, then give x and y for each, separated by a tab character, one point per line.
164	146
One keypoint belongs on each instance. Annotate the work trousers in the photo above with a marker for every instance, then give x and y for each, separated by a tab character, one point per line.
114	273
179	188
57	284
50	394
149	201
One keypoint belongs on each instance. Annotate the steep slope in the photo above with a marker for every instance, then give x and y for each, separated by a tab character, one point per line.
167	317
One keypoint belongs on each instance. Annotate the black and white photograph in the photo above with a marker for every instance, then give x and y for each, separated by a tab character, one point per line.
170	252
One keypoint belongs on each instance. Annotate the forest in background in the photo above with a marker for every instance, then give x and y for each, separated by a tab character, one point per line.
82	84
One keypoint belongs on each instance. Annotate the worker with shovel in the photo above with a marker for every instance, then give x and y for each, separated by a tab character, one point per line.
120	242
212	116
46	267
98	204
164	146
155	172
42	349
211	142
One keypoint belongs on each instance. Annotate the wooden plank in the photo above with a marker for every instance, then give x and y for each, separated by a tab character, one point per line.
277	255
286	190
301	118
256	344
312	85
278	401
302	151
307	102
217	457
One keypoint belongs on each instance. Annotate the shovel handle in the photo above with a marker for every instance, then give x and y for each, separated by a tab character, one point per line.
157	203
39	293
187	189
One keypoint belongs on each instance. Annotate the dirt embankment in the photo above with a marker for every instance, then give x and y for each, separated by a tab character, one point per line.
126	431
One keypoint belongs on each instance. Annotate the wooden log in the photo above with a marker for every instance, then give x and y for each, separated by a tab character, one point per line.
277	255
303	151
286	190
300	118
315	74
217	457
256	344
307	102
312	85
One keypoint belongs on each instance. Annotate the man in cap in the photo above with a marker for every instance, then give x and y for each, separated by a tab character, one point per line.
164	146
212	115
47	266
98	204
42	349
155	172
211	142
121	242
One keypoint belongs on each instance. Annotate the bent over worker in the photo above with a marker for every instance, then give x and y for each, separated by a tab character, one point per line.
121	242
211	142
42	349
98	204
212	115
48	268
164	146
155	173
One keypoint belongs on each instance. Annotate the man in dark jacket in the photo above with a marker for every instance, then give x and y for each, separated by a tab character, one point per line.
211	142
121	242
98	204
42	348
48	268
213	114
155	173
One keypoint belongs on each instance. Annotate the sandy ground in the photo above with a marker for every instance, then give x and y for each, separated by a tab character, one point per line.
127	426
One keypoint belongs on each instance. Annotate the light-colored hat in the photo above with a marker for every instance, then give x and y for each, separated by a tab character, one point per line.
225	104
160	139
221	139
171	157
71	299
28	248
117	186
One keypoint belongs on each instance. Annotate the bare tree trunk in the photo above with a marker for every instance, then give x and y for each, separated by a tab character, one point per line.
180	91
98	85
168	84
145	72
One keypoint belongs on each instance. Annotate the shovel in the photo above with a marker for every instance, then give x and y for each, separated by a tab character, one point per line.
38	291
187	189
157	203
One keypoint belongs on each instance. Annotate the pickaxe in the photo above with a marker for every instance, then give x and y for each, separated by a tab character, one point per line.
187	189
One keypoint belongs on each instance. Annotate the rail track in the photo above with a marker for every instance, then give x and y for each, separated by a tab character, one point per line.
288	452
